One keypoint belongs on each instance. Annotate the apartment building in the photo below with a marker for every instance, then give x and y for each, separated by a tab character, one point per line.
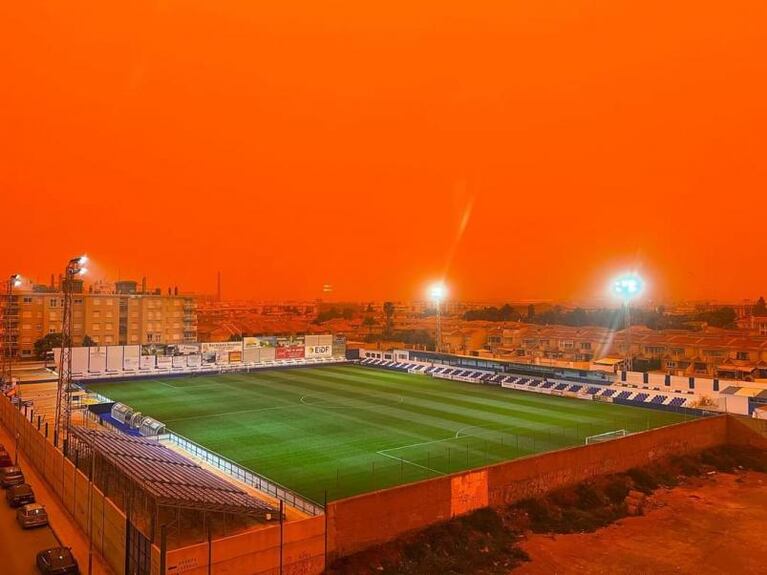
106	318
711	352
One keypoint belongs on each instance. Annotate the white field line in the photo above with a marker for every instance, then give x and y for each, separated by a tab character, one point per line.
402	460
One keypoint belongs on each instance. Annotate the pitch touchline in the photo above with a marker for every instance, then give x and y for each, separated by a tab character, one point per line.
401	460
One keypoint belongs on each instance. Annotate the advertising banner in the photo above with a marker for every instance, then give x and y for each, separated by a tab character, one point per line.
290	352
147	362
316	351
339	346
311	340
164	362
97	359
258	342
193	361
266	354
154	349
222	352
79	360
183	349
251	355
115	358
290	347
178	361
131	354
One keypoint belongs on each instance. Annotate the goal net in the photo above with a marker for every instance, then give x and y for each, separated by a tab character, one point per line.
606	436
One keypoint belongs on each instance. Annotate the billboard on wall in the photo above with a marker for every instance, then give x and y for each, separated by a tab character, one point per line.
178	361
97	359
80	358
147	361
257	342
154	349
182	349
316	351
164	361
290	347
115	358
222	352
131	355
339	346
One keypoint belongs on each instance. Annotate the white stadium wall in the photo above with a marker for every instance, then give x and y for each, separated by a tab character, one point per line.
152	358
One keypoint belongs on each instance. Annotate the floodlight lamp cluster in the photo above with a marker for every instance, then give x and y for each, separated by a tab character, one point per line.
15	280
628	287
438	292
76	266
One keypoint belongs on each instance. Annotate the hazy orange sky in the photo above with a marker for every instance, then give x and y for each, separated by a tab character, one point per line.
520	149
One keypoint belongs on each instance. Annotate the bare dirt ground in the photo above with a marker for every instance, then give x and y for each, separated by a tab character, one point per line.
713	524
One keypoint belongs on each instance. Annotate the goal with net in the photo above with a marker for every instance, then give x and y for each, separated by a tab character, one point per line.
618	433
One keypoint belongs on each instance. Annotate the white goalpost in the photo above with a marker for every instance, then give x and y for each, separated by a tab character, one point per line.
618	433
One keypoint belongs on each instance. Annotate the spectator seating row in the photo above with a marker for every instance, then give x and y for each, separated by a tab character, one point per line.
632	395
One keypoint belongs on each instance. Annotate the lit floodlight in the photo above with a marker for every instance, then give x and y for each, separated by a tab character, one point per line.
628	287
438	292
16	280
82	271
83	260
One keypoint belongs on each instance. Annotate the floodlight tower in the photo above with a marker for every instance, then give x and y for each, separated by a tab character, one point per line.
10	322
438	293
627	288
75	267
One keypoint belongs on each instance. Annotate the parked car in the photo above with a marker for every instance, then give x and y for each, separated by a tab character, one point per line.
19	495
57	561
10	476
32	515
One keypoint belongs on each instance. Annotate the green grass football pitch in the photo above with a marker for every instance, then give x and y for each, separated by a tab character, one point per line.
348	430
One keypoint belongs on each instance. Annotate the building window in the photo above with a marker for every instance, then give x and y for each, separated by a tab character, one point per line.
26	300
54	303
743	355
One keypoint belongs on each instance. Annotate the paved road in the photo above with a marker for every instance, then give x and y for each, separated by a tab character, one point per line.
18	546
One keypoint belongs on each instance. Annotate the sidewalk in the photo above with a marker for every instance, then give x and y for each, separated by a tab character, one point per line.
62	523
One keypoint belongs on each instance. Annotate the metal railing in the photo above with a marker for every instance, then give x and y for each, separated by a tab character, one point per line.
245	475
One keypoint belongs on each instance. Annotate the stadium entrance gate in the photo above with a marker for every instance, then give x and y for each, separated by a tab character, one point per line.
138	552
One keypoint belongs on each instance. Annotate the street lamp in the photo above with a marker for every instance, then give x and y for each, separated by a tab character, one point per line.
438	292
628	287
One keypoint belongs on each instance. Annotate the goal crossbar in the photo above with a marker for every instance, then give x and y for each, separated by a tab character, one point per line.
607	436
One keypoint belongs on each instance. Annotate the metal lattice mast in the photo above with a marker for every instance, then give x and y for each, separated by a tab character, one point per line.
10	326
64	388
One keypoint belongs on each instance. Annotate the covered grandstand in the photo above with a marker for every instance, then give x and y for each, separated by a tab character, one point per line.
165	495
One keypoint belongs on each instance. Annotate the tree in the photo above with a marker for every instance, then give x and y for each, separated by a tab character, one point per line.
388	309
760	309
47	343
88	341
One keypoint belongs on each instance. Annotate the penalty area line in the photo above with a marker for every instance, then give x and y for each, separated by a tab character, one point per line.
402	460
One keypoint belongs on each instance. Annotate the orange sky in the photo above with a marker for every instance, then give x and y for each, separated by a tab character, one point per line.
524	149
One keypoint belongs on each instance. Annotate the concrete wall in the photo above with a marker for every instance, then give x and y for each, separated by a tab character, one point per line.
366	520
72	487
257	552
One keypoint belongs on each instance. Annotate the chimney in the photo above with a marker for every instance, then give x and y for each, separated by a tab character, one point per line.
143	284
175	290
53	281
169	291
218	287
